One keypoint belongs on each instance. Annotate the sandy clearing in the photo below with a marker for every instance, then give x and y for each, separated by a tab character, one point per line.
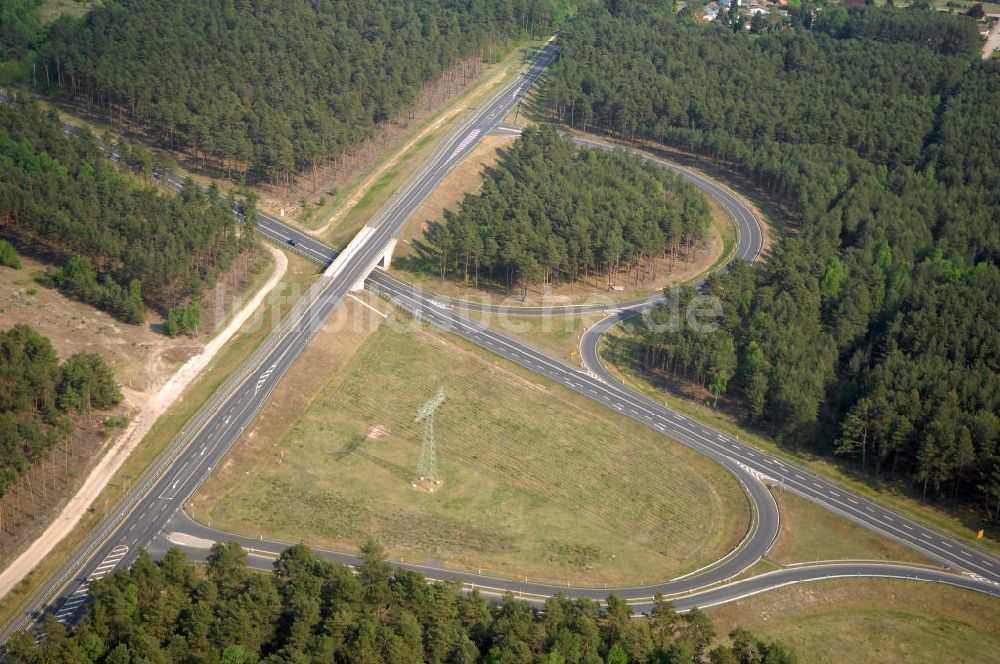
140	425
141	357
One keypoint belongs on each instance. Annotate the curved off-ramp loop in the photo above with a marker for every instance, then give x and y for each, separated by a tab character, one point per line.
195	540
616	396
764	510
765	520
749	244
441	313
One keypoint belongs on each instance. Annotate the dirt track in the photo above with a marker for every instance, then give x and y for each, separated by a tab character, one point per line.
140	425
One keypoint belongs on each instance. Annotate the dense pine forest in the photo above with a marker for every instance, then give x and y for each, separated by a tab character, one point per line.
310	610
120	246
551	211
39	396
871	331
20	29
267	89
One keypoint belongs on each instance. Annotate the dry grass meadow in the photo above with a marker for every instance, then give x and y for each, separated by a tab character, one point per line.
538	482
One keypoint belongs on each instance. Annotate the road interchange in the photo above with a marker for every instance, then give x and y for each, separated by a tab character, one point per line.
720	447
444	313
154	507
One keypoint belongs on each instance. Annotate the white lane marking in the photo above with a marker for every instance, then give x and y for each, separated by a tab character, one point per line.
980	579
79	596
465	142
759	476
265	376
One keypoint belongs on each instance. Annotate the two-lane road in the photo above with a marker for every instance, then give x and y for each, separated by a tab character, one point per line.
443	313
743	460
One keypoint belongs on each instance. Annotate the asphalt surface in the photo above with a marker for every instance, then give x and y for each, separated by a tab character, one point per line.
596	382
153	508
684	593
177	474
747	463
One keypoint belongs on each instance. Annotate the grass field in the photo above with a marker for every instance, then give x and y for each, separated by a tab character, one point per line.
962	6
538	482
961	524
811	533
876	621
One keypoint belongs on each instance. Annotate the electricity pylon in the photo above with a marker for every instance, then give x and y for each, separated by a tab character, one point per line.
427	466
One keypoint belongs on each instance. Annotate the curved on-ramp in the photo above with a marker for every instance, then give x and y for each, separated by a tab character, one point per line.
749	245
706	586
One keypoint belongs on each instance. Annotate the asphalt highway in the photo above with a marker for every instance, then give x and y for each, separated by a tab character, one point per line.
595	382
443	313
176	475
747	463
153	509
194	539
